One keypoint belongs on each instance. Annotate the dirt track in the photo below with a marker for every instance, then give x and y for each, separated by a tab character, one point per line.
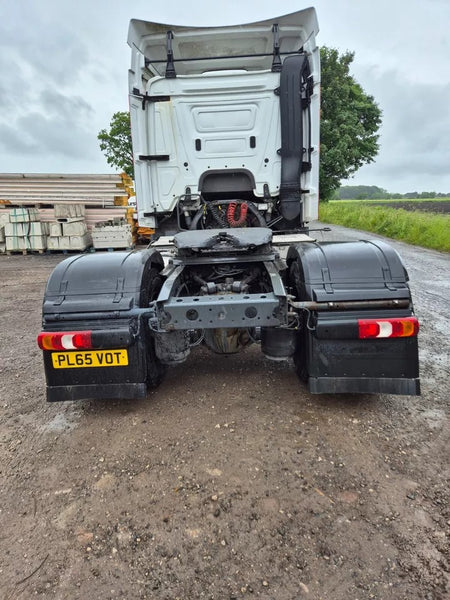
230	481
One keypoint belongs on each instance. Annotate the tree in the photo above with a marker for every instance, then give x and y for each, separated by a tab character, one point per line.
350	120
116	143
360	192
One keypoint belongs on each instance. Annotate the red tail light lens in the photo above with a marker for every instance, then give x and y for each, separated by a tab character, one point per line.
65	340
388	328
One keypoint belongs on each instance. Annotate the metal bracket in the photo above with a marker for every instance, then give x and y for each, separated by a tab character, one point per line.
327	284
215	311
276	62
154	157
147	98
119	289
170	66
62	290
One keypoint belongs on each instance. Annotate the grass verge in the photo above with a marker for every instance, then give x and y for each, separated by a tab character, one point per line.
414	227
417	201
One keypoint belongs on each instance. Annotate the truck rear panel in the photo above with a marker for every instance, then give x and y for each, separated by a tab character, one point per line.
225	127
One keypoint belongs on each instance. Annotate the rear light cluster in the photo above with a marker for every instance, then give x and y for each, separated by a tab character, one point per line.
65	340
388	328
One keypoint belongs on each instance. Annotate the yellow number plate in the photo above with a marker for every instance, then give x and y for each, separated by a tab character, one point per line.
90	358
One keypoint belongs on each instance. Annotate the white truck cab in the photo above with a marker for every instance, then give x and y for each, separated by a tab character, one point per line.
207	116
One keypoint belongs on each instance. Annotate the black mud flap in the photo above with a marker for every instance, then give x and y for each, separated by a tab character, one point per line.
100	293
363	366
330	356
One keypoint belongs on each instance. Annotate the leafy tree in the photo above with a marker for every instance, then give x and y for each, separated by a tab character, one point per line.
350	120
361	192
116	143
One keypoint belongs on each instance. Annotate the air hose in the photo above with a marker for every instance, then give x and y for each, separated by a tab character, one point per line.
232	219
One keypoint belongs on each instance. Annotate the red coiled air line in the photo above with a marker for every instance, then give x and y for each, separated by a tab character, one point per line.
231	214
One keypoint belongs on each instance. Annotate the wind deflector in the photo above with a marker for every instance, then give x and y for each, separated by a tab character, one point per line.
200	49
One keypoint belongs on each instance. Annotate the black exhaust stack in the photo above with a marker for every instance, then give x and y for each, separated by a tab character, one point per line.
294	93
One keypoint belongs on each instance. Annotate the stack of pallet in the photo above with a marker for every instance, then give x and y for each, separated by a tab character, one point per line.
69	230
112	234
21	230
4	218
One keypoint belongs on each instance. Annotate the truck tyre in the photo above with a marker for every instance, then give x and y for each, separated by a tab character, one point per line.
301	350
155	369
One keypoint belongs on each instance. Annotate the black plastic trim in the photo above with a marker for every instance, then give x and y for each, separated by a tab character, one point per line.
292	96
276	62
170	67
329	353
90	283
97	391
349	271
364	385
154	157
92	292
226	180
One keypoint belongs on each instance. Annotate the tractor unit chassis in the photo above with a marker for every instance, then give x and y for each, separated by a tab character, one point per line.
341	311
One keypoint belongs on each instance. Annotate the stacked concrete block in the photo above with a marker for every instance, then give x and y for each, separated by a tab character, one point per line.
24	231
69	242
23	215
55	229
4	218
68	212
112	234
69	231
75	242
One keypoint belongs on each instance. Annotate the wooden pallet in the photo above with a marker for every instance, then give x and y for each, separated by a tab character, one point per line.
24	252
111	249
69	251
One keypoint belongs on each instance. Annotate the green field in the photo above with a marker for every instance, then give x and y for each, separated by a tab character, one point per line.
427	229
417	201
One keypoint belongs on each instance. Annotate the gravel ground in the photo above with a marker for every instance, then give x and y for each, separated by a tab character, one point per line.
230	480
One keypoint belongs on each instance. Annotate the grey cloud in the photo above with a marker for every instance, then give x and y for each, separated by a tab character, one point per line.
5	97
73	108
56	55
61	57
14	90
61	124
15	142
416	116
42	135
56	135
403	165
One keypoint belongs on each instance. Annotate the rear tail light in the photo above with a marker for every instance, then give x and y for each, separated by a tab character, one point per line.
65	340
388	328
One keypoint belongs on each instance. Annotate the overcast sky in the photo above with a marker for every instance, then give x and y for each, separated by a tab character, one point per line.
63	73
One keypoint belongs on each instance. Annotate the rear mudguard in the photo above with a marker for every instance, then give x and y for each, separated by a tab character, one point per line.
329	355
99	292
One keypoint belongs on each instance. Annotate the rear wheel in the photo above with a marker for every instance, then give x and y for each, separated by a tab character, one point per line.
155	369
